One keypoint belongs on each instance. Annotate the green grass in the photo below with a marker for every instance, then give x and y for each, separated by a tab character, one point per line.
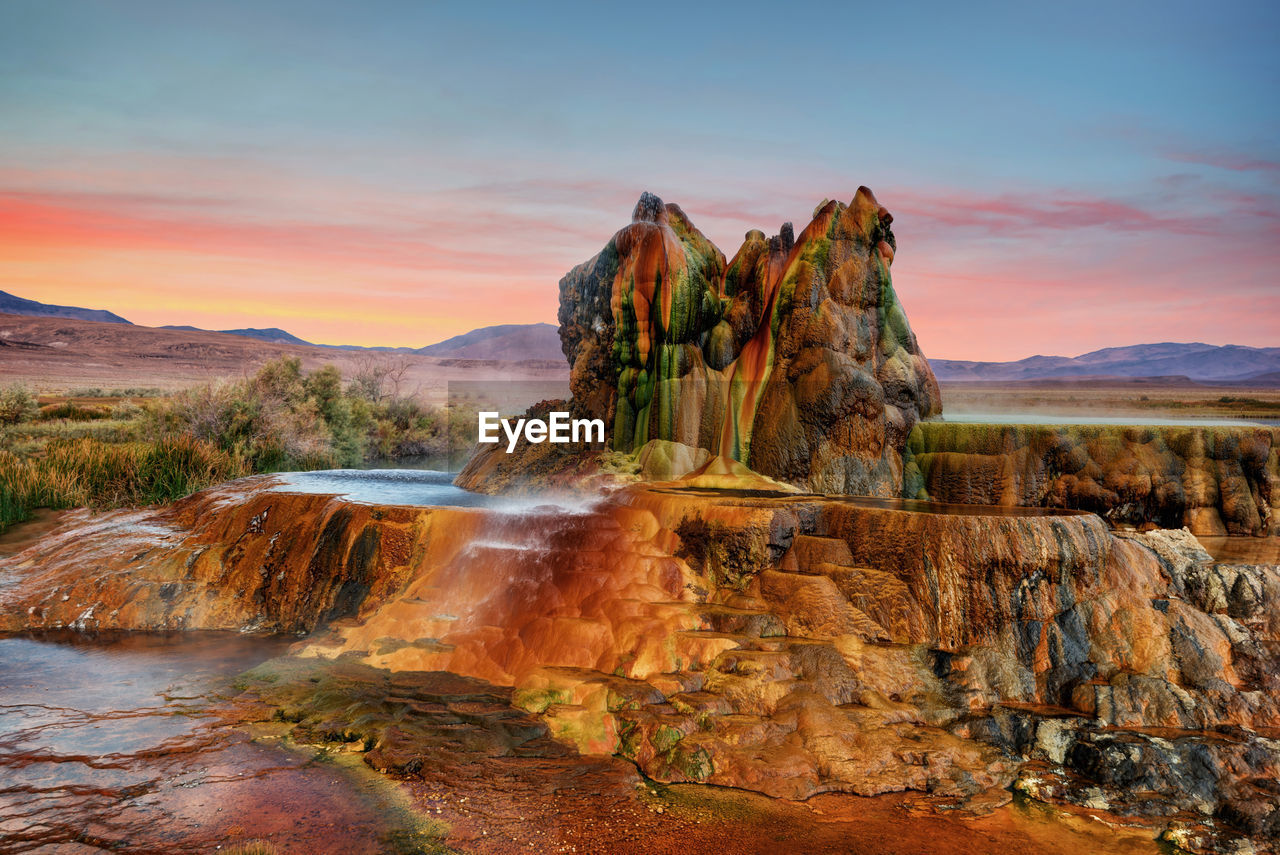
69	411
28	439
90	472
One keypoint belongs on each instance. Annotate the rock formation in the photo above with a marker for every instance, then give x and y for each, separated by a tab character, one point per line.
794	358
782	643
1214	480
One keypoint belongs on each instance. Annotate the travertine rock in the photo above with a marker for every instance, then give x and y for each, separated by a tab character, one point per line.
794	358
788	644
1213	480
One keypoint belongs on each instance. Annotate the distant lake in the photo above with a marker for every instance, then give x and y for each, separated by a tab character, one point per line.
1085	419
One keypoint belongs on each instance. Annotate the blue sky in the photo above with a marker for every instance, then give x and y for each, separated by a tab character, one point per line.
1062	177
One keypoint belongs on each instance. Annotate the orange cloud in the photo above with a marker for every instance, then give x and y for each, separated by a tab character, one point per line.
982	277
350	283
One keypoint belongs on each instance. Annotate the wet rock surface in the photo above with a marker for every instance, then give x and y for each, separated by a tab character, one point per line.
234	557
120	742
149	743
791	645
499	783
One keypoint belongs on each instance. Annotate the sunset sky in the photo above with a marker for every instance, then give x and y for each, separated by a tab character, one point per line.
394	173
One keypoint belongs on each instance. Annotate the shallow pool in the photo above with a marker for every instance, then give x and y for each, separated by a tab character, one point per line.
126	742
428	488
385	486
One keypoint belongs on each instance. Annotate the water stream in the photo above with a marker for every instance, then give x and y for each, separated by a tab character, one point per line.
384	486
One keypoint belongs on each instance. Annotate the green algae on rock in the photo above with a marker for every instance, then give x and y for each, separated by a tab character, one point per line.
794	358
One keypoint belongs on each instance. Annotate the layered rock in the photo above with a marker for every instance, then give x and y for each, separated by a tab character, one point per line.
794	358
781	643
1214	480
236	557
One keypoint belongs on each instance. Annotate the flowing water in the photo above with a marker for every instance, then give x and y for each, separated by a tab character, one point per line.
385	486
1092	419
124	743
428	488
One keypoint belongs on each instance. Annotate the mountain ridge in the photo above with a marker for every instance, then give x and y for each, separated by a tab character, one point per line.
1196	361
274	335
12	304
531	341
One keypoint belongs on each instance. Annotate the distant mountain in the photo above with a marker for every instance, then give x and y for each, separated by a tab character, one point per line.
1201	362
11	305
1170	361
513	342
1270	380
509	342
274	335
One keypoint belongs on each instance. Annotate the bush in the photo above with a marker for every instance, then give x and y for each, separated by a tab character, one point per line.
73	412
269	419
279	419
403	428
130	392
17	404
126	411
283	419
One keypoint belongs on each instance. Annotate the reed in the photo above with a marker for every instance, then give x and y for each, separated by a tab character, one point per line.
88	471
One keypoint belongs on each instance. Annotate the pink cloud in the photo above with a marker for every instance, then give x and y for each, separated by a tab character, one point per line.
1224	159
1012	215
1070	271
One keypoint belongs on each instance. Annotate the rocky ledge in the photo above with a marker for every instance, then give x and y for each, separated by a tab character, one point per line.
1213	480
786	643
